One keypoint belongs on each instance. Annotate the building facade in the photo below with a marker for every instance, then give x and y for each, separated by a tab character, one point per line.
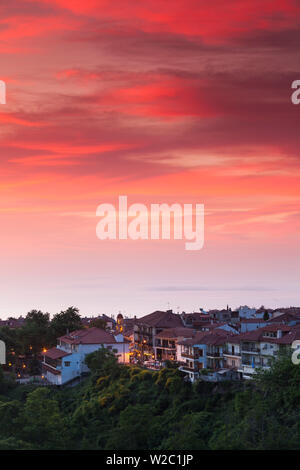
66	362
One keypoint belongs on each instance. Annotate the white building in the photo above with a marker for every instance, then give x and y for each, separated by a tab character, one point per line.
66	362
260	347
246	312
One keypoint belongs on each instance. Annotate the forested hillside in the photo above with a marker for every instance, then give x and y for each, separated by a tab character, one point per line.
120	407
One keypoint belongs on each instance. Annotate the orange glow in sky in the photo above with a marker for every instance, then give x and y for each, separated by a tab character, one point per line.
186	102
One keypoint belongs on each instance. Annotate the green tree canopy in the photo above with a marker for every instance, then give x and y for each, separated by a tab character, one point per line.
67	320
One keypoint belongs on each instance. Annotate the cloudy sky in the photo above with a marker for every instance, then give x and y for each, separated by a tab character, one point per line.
182	101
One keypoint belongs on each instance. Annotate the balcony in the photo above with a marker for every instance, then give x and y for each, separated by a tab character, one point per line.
248	367
213	354
189	355
250	349
145	333
269	352
188	369
230	353
170	346
251	364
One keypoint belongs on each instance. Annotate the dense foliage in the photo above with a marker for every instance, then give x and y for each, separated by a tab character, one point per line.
25	344
121	407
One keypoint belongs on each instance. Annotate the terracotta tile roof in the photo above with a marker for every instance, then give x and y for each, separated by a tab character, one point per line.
235	339
89	336
289	337
55	353
161	319
259	334
176	332
277	327
210	338
196	316
216	339
285	317
254	335
218	336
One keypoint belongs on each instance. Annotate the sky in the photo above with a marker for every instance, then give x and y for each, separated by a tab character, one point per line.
176	102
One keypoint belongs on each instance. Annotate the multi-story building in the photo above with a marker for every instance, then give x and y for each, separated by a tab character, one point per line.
203	351
66	362
191	320
191	356
260	347
232	353
223	315
167	339
242	354
146	330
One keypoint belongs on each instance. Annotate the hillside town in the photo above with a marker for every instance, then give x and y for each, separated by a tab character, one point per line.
213	345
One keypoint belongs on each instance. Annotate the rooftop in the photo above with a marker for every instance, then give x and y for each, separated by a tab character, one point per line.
89	336
55	353
176	332
161	319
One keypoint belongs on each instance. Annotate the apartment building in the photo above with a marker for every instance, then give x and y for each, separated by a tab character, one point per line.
146	329
167	339
242	354
260	347
232	354
203	351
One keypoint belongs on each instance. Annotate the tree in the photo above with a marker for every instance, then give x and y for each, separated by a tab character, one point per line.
190	433
14	444
37	319
98	323
266	316
9	411
67	320
103	362
133	431
41	422
34	335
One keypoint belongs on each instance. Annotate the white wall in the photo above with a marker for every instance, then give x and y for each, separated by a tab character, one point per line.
77	360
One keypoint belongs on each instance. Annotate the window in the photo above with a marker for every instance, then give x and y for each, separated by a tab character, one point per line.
67	364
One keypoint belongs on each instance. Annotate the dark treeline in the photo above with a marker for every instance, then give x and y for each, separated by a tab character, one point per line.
26	343
121	407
